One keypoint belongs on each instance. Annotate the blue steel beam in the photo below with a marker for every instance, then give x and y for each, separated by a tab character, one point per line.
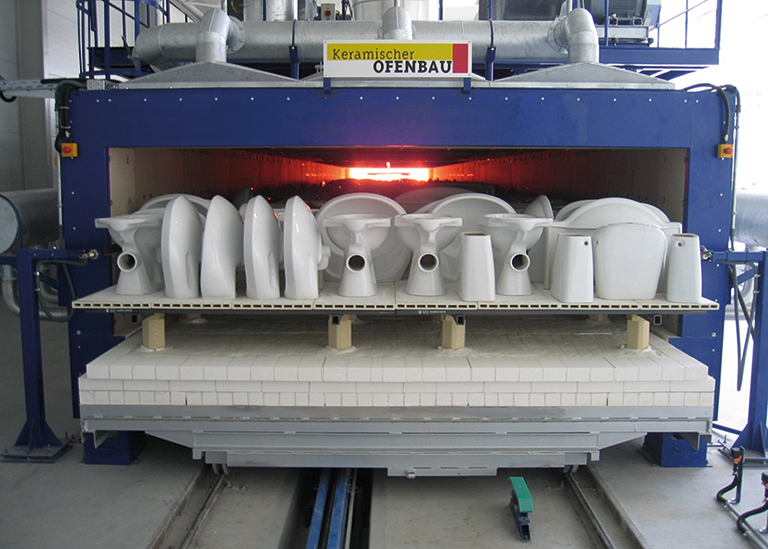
754	435
36	433
318	512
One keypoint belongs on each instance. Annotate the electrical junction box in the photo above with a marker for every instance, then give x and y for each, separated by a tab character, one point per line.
327	12
725	150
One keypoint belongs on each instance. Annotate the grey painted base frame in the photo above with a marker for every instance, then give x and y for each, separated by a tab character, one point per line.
434	441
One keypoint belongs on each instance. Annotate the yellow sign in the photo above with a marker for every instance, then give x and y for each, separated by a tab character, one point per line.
385	59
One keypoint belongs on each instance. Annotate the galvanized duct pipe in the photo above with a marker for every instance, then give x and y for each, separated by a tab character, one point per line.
576	34
396	24
28	218
274	10
269	42
216	32
752	219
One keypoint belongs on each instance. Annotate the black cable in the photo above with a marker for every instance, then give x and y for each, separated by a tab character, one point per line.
62	110
64	263
720	90
6	98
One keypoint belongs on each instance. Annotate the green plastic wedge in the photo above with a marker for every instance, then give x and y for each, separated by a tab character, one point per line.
524	498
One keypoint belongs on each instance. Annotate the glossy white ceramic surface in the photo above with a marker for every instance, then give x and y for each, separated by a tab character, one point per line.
262	250
138	235
303	251
628	258
160	202
512	235
391	258
540	207
426	235
181	249
683	269
477	281
584	216
413	200
572	271
358	235
472	209
607	211
222	249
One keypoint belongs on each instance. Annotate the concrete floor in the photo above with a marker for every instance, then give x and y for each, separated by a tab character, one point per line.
70	504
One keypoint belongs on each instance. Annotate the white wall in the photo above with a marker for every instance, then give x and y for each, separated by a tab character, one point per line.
38	39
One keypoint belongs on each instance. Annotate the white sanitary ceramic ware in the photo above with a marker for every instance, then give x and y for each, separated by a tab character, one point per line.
540	207
426	234
358	235
391	259
585	216
683	269
303	251
222	249
182	242
472	209
607	211
671	228
572	271
413	200
569	208
262	250
477	281
512	235
160	202
627	259
138	235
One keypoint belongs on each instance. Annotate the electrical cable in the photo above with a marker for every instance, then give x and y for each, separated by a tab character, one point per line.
6	98
73	295
62	110
720	90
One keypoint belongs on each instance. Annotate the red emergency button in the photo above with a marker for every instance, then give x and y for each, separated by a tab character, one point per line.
725	150
69	150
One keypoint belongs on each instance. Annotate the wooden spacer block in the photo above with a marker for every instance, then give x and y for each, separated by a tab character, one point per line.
340	331
454	332
598	319
638	332
153	332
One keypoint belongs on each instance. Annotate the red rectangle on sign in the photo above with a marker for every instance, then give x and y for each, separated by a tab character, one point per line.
461	58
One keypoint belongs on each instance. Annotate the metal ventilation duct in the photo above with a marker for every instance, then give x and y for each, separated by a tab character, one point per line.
270	42
28	218
270	10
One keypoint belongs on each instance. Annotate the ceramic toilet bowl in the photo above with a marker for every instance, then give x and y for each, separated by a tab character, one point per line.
222	250
357	235
426	235
138	235
512	235
262	250
181	249
304	254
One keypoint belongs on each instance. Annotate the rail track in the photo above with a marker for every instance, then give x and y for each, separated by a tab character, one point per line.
365	509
